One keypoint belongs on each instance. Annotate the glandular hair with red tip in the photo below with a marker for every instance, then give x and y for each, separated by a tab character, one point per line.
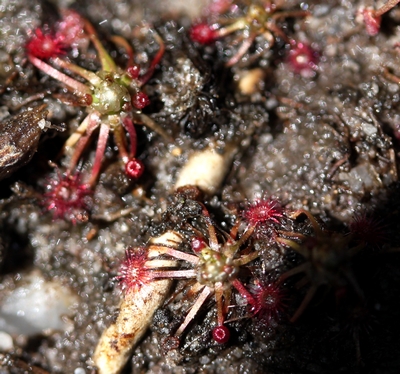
203	33
221	334
67	198
140	100
134	168
303	59
198	244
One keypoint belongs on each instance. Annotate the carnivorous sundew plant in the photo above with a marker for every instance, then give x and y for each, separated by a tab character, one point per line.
216	261
245	22
207	188
219	264
329	255
114	100
113	95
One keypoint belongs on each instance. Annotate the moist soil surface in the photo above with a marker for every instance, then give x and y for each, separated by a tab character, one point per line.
300	106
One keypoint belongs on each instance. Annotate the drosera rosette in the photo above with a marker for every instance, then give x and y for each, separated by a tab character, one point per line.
67	35
263	214
369	229
221	269
113	97
255	20
328	257
44	44
67	198
214	265
271	300
267	216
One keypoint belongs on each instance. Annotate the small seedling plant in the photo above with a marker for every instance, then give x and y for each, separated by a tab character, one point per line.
112	95
245	21
215	263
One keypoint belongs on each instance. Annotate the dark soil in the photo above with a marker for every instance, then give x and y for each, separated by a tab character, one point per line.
325	138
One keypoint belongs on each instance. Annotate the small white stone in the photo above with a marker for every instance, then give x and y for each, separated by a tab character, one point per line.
42	123
36	305
206	169
369	129
204	360
6	342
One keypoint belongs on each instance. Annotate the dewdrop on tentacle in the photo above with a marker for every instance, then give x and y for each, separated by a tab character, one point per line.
135	312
